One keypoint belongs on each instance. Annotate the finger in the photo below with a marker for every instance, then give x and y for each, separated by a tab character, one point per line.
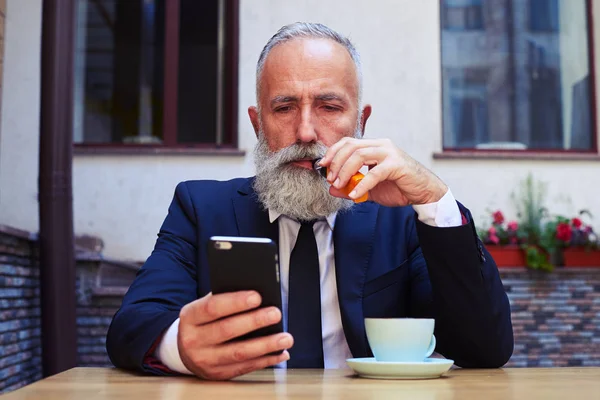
332	151
326	160
360	157
232	327
344	152
213	307
236	352
245	367
372	178
338	193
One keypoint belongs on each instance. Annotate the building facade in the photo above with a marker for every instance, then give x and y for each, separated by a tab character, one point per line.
483	92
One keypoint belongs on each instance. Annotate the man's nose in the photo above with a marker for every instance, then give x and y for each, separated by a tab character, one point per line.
306	132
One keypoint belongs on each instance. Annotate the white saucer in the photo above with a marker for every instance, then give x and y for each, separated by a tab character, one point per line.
428	369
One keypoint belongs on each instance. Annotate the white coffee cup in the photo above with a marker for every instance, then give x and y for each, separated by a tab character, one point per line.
401	339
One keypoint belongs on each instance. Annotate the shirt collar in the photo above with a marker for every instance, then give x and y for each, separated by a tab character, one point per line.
274	215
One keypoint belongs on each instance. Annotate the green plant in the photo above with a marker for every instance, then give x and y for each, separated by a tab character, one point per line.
563	232
532	214
531	211
541	237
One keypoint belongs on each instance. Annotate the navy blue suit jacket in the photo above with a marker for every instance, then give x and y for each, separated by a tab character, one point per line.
388	264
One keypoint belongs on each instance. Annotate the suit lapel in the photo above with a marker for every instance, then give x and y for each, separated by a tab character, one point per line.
251	219
353	243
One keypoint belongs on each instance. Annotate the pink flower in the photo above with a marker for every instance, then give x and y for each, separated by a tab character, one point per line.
576	222
492	237
498	217
513	225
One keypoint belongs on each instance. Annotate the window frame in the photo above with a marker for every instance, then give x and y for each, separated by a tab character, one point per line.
532	25
229	93
592	154
465	9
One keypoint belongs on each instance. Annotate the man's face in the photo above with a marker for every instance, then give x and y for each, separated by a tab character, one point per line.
308	94
309	101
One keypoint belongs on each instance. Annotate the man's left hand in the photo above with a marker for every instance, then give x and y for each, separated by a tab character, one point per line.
394	178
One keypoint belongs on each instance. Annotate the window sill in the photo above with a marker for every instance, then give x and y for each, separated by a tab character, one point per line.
155	150
514	155
18	233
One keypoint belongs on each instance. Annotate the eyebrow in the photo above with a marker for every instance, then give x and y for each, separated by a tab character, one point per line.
320	97
283	99
330	97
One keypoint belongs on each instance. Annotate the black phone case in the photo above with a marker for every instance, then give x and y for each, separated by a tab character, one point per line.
247	266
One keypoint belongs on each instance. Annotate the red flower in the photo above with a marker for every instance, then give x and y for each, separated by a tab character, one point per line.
492	237
576	222
498	217
564	232
513	226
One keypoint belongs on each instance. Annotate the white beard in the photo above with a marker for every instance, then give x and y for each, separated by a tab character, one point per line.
293	191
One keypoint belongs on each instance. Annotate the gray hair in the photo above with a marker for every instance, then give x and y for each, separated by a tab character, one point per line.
312	31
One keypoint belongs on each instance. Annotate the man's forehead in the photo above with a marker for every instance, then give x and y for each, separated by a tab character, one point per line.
320	64
306	50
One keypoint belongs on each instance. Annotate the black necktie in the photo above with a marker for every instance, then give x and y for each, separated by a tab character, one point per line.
304	302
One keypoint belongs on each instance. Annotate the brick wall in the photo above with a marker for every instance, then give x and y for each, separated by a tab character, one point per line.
20	347
100	287
556	317
92	324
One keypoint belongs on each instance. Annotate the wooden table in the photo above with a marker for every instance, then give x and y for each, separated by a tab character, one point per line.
533	383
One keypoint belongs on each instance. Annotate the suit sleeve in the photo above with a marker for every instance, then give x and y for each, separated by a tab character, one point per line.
164	284
455	280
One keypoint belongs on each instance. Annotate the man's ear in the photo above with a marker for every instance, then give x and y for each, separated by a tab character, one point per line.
365	116
253	114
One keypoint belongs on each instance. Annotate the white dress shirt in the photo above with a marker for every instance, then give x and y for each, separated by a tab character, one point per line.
444	213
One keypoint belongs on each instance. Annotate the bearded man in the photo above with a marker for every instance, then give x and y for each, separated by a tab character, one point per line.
410	251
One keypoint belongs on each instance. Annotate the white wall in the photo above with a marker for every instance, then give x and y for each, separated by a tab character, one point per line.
19	140
124	199
128	221
484	185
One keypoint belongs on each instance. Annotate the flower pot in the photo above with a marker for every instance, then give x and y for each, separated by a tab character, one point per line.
507	256
581	257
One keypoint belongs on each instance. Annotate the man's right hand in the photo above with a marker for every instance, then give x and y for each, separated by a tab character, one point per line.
208	324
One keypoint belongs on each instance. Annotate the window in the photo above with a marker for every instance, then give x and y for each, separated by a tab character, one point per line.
462	15
519	88
150	73
543	15
468	106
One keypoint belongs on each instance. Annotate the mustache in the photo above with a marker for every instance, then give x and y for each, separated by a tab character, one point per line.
297	152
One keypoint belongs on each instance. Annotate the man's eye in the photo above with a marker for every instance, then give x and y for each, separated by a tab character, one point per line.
283	109
330	108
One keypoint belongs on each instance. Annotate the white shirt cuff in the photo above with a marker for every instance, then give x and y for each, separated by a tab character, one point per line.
168	352
443	213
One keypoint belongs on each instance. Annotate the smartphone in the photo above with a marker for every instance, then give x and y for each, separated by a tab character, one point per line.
245	263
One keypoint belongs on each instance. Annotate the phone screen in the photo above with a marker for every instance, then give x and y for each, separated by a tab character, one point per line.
245	263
